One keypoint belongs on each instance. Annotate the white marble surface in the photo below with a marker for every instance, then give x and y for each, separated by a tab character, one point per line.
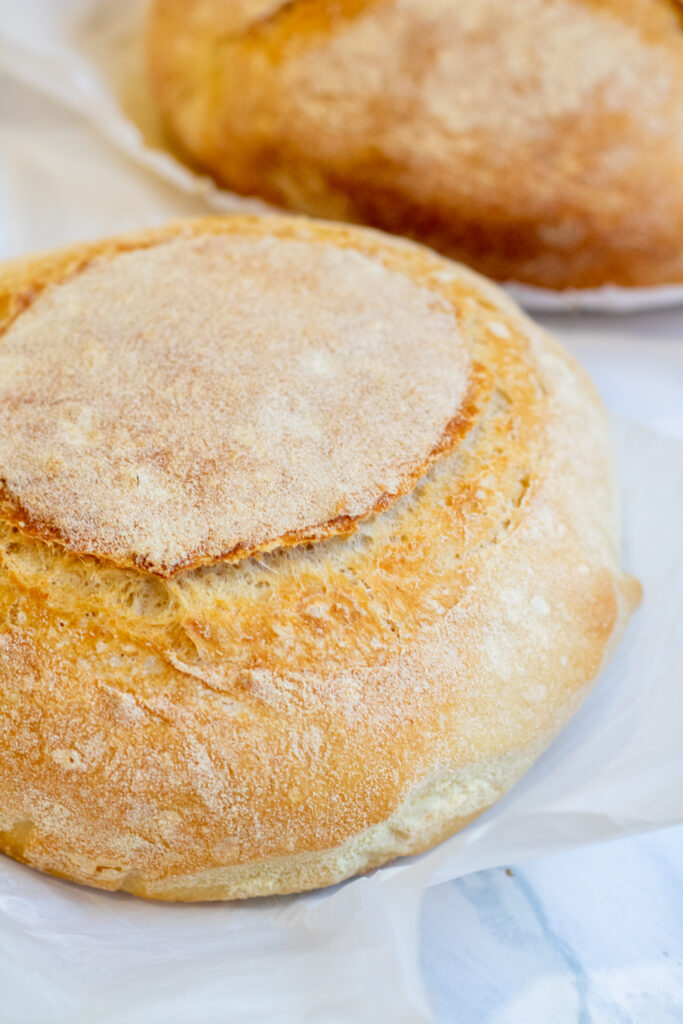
594	936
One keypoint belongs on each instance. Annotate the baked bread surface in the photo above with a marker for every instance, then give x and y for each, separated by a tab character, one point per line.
209	721
539	141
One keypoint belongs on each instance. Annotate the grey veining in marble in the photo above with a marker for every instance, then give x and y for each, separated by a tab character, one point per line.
594	936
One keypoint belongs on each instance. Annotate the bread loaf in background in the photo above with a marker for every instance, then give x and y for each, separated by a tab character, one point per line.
308	547
539	141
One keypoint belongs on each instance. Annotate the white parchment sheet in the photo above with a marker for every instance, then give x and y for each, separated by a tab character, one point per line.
68	954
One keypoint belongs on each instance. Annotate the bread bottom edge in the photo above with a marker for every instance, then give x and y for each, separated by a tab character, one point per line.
443	804
439	807
435	810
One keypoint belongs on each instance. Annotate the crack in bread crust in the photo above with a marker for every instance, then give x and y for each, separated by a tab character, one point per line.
479	391
170	370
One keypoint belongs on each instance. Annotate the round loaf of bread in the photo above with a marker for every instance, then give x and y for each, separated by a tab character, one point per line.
539	141
308	547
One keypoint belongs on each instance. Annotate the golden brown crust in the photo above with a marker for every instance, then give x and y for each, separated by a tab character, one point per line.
289	720
538	141
176	439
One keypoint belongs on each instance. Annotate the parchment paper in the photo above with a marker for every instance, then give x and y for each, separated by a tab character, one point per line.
348	954
88	54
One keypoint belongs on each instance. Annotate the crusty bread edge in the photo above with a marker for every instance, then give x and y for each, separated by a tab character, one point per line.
441	806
